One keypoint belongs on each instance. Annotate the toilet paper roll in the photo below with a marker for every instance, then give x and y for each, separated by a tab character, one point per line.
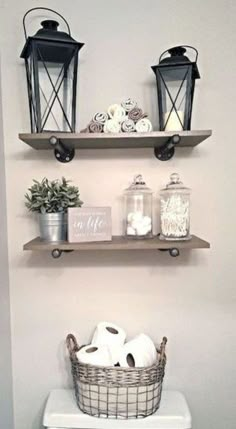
95	355
111	335
139	352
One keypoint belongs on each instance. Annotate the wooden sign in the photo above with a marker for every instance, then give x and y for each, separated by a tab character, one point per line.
89	224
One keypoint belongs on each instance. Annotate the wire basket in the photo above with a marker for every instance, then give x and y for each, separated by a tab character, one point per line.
117	392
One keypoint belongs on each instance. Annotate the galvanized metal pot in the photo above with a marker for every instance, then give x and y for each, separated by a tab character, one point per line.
53	226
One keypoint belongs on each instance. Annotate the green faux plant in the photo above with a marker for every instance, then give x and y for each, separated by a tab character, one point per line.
52	196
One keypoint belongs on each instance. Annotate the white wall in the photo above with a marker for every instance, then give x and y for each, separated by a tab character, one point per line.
190	299
6	398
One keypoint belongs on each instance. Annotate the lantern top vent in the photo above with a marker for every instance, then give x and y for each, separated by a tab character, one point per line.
176	55
48	33
177	58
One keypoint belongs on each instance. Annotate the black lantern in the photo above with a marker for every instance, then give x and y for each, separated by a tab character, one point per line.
176	76
51	60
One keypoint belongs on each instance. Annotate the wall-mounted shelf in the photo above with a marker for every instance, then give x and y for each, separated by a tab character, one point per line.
118	243
164	143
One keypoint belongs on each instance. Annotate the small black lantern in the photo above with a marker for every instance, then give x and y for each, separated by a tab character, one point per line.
176	76
51	61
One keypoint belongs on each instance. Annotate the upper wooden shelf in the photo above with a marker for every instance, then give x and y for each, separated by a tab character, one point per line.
118	243
114	141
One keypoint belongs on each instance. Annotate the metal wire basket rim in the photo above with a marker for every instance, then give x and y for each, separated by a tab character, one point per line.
160	362
120	368
114	385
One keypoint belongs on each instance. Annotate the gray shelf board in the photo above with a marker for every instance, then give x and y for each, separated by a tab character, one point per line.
119	243
114	141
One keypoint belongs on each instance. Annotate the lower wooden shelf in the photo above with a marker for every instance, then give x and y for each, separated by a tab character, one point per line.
118	243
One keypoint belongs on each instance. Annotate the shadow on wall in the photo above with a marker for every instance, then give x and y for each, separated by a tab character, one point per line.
38	419
104	154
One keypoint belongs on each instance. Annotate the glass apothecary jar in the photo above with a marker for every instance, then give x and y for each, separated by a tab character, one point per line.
138	209
175	210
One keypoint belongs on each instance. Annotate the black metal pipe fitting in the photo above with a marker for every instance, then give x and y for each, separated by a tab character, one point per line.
167	150
61	151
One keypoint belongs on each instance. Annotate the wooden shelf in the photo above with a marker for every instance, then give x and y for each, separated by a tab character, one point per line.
114	141
118	243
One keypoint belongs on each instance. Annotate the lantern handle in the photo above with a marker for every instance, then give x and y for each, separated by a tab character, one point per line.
182	46
44	8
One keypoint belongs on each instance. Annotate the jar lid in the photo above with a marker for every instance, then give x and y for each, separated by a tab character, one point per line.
175	183
138	184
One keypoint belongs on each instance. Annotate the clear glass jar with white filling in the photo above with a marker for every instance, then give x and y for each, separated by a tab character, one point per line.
138	209
175	210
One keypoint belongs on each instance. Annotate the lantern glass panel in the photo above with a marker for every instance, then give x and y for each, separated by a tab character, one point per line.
174	86
54	101
31	93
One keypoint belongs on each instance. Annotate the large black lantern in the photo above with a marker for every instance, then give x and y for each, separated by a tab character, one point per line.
176	76
51	61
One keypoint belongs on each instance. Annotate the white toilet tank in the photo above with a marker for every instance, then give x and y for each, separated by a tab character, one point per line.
61	412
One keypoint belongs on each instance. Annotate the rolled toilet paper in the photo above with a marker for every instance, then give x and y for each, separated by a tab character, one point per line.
111	335
95	355
139	352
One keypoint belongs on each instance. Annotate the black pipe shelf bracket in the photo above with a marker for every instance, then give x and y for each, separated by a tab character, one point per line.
61	151
174	252
56	253
167	150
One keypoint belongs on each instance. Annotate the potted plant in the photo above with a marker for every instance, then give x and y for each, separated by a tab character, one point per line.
51	199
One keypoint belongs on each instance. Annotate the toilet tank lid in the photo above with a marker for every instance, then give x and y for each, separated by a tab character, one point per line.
62	412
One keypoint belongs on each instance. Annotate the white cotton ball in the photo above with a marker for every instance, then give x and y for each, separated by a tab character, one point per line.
142	230
130	231
148	230
137	217
147	220
137	224
130	217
